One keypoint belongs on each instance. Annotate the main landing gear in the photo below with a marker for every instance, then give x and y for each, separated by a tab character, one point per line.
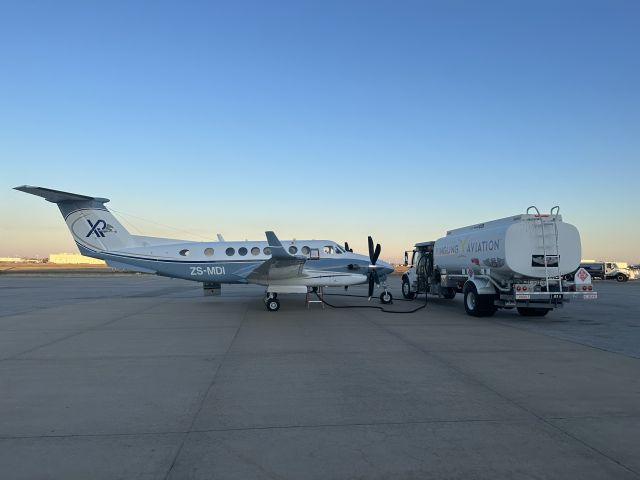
272	302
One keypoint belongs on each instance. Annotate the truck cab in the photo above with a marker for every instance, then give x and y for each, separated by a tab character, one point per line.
417	279
617	270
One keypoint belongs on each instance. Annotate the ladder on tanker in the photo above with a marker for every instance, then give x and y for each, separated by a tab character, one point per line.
552	273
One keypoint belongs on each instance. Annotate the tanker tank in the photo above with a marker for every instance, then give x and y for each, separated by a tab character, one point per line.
511	248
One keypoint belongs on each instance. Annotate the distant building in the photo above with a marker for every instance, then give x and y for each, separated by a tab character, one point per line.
12	260
73	258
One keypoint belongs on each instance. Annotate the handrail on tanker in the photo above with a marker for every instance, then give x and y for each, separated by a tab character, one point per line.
544	246
555	211
535	208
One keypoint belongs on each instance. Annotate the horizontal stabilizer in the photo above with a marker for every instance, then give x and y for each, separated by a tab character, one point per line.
56	196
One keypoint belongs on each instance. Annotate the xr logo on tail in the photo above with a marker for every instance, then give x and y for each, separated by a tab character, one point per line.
97	228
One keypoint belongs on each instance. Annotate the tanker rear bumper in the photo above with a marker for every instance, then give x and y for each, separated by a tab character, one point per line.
549	300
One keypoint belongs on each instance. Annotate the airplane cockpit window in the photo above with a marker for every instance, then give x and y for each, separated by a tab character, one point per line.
266	251
328	249
230	252
185	252
293	250
208	252
339	249
242	251
255	251
305	250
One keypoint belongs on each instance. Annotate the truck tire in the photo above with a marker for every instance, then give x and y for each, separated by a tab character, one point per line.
621	277
447	293
477	305
533	312
406	290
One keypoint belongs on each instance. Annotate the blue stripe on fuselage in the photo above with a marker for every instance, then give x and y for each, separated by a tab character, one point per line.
197	270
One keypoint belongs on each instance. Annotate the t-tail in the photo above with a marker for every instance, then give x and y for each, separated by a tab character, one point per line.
93	227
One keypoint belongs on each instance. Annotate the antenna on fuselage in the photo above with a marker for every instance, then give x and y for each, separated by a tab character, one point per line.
220	238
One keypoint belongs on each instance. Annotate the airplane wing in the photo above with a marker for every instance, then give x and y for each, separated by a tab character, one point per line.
281	265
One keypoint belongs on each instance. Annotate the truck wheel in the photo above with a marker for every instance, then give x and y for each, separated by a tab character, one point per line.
448	293
533	312
477	305
406	290
621	277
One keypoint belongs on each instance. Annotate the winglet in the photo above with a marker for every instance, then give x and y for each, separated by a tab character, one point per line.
277	250
56	196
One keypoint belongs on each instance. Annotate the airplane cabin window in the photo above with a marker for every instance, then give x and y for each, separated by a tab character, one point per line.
255	251
266	251
293	250
208	252
328	249
242	251
185	252
305	250
230	252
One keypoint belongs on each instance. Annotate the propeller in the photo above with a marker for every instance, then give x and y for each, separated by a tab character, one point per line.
347	249
374	253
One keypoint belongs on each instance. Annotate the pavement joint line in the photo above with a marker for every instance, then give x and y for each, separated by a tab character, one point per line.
506	397
274	427
51	330
50	360
75	334
206	394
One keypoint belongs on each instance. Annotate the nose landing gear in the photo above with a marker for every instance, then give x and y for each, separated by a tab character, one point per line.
386	297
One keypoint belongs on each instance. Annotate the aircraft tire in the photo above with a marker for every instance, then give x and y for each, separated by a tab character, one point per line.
386	298
273	304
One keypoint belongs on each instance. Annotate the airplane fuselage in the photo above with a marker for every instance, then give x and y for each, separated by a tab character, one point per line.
326	264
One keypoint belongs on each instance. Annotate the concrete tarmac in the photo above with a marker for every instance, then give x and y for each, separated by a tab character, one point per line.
140	377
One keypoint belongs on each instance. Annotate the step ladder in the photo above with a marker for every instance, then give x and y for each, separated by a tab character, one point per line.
312	298
552	274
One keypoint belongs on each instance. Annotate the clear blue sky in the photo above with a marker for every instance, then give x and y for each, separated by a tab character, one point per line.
322	119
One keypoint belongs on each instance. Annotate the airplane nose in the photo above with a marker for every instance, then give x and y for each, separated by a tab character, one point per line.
387	268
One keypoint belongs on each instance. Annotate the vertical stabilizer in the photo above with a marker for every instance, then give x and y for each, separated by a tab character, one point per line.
93	227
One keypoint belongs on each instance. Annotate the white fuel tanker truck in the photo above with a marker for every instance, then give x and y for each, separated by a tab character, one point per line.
514	262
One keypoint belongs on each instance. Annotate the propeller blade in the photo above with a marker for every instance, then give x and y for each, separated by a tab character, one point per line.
346	246
371	282
376	254
371	251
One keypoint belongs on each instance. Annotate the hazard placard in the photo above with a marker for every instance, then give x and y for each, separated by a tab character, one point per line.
582	277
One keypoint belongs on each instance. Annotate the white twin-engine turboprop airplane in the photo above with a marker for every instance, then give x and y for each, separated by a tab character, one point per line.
283	267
